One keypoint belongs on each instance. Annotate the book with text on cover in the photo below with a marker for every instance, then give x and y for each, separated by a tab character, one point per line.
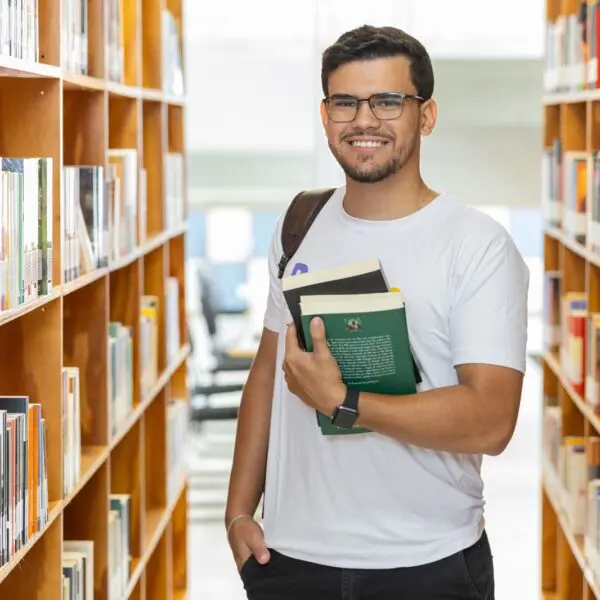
368	336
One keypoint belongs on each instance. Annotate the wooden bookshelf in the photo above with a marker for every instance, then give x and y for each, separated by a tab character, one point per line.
76	118
570	544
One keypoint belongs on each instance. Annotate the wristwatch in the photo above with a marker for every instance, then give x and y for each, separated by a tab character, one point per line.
346	413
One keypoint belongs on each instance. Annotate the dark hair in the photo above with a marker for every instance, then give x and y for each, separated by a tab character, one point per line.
368	42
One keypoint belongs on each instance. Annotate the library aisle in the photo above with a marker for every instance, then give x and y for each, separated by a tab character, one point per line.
512	491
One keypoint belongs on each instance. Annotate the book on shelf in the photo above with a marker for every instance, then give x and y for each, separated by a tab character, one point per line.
573	339
174	204
552	182
119	541
177	430
25	230
173	339
122	176
172	62
71	428
365	325
19	29
23	474
551	321
120	374
78	569
148	341
115	41
74	36
592	358
85	223
574	196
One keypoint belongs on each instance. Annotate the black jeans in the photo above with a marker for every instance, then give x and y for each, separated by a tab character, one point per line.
466	575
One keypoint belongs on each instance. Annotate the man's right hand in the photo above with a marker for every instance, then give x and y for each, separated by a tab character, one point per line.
246	538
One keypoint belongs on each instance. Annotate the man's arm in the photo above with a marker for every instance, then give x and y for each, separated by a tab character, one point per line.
247	478
478	415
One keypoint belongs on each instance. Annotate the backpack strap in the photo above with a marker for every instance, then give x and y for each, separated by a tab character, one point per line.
298	219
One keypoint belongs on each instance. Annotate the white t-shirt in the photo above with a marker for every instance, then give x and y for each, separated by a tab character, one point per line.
368	501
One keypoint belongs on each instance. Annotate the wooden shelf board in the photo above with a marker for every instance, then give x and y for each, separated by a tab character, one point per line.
121	89
576	97
54	512
10	315
82	281
16	67
92	458
154	391
72	81
575	541
158	524
579	249
151	244
586	410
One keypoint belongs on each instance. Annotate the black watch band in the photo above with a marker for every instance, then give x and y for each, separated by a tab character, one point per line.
346	414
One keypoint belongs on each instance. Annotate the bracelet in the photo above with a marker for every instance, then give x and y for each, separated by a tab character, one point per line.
237	518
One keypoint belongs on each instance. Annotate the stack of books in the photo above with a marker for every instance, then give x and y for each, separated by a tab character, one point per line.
366	329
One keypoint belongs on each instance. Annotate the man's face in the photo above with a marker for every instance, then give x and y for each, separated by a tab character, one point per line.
370	148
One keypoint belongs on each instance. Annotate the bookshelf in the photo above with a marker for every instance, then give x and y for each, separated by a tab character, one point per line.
570	496
93	342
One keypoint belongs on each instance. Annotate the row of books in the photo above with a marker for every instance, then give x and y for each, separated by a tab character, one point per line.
571	52
119	545
25	230
100	212
78	556
177	429
74	36
567	328
121	351
572	467
571	193
19	29
23	474
172	62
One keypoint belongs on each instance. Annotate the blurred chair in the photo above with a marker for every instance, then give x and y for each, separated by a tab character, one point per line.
210	356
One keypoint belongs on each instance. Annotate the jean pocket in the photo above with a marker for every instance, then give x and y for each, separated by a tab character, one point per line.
479	569
248	567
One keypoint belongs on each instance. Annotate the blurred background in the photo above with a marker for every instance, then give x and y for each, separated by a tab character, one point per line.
254	139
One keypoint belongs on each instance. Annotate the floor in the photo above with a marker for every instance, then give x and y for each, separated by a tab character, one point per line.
512	491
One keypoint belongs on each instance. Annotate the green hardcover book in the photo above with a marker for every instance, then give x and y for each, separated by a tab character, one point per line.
368	336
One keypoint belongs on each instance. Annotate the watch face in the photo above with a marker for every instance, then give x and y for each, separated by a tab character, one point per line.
344	418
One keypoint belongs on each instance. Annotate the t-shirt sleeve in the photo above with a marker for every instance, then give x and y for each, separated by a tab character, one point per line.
275	301
488	317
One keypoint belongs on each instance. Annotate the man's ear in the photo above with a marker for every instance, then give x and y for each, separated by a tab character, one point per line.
428	116
323	112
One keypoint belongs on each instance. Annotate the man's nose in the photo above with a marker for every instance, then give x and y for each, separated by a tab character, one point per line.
364	116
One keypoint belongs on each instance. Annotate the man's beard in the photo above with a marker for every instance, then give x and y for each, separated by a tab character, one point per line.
370	173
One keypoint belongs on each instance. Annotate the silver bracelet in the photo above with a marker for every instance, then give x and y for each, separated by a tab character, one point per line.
237	518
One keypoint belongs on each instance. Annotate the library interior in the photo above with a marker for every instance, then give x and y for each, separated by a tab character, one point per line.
125	352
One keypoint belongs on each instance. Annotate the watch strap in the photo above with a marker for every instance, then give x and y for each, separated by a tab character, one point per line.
351	399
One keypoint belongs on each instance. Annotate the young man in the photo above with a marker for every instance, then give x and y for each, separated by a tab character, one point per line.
398	512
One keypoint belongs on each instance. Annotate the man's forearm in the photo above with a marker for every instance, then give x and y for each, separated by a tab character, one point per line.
452	419
247	478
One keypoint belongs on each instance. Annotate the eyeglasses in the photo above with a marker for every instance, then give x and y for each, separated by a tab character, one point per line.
343	108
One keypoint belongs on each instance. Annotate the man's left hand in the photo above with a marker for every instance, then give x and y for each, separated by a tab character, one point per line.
314	377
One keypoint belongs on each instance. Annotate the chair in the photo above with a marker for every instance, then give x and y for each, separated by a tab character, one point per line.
209	356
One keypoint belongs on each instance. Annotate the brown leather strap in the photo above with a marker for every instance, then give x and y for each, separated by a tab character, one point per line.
299	217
